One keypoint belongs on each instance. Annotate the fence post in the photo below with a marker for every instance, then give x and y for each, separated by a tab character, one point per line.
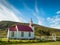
54	36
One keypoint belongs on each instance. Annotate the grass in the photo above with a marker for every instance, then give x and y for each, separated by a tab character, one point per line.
38	43
4	41
44	43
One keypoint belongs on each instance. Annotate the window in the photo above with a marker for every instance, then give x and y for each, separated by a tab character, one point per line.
29	34
22	34
12	34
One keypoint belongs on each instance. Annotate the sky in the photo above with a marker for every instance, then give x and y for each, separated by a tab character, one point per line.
42	12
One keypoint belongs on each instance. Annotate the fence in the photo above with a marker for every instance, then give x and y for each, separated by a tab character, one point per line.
49	38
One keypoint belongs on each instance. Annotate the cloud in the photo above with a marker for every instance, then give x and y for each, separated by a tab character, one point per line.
40	19
36	7
26	6
19	14
58	12
35	12
9	12
6	14
54	22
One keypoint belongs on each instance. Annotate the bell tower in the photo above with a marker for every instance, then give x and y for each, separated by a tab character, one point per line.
31	23
32	26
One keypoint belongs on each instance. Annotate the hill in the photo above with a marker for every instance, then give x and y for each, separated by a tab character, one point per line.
39	30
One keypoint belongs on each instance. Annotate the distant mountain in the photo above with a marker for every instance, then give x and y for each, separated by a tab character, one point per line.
39	30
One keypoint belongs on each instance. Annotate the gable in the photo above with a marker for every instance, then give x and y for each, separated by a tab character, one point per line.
13	28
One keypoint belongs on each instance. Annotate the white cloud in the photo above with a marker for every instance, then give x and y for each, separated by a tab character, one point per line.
58	12
19	13
35	13
8	14
54	22
26	6
40	19
36	7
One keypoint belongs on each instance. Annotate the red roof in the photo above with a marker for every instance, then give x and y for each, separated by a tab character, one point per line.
12	28
21	28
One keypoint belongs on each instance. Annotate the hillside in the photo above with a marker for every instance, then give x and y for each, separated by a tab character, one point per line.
39	30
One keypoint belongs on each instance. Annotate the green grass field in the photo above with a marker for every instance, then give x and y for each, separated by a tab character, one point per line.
40	43
27	42
44	43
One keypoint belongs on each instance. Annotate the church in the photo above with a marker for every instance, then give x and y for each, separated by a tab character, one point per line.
21	31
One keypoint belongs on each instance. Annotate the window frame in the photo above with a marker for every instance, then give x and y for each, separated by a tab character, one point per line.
12	34
22	34
29	34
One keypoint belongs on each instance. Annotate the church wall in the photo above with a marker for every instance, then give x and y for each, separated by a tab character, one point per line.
10	33
26	35
18	35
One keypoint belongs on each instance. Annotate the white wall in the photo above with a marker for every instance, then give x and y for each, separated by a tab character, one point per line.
26	35
10	33
17	34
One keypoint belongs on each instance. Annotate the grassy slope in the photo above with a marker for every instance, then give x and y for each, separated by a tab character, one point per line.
39	30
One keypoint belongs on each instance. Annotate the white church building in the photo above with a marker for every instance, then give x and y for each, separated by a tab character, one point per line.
21	31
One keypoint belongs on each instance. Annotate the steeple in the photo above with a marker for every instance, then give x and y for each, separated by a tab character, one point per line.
31	22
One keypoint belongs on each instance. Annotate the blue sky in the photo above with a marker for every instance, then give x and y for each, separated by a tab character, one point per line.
42	12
